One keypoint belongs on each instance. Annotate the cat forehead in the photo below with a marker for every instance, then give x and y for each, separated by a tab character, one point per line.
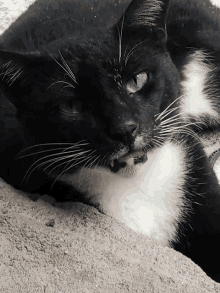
106	50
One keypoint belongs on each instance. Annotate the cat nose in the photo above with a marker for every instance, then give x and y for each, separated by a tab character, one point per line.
129	127
125	131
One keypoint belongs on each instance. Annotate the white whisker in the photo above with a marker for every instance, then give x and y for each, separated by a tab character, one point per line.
161	114
62	81
46	144
50	150
120	40
54	160
73	157
174	118
67	69
70	73
64	171
132	51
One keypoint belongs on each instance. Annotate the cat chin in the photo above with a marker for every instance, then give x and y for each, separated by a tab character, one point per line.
147	197
128	163
128	171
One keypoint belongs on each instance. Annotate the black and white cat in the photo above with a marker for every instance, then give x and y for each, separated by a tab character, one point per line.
102	103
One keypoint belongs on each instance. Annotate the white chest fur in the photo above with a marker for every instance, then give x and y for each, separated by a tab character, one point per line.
149	201
199	92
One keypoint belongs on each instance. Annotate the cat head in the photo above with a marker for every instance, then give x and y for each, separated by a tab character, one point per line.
98	95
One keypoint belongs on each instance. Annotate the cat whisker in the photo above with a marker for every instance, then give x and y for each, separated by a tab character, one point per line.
103	160
125	52
75	146
70	73
132	51
170	124
178	130
75	157
67	69
15	76
49	144
44	151
11	72
8	70
54	154
120	41
171	118
67	163
30	170
7	64
156	142
64	171
84	169
164	111
61	81
90	165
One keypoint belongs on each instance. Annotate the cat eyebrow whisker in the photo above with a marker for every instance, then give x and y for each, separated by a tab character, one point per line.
120	40
67	69
61	81
132	51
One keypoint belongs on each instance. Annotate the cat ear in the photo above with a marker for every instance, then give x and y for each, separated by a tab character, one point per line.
17	72
146	14
14	66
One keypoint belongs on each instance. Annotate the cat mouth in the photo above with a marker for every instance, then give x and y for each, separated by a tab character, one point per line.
128	160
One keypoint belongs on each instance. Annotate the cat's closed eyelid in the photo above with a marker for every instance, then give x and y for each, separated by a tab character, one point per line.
67	107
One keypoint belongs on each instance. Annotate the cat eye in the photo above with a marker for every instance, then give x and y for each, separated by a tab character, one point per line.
137	82
67	107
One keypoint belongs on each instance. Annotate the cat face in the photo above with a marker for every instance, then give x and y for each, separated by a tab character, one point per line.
100	96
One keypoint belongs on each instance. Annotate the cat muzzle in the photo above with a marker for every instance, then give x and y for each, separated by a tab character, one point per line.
128	160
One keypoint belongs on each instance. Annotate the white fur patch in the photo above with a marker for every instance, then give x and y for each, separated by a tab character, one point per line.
149	201
197	102
217	170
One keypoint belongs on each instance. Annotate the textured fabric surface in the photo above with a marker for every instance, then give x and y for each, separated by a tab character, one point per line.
49	247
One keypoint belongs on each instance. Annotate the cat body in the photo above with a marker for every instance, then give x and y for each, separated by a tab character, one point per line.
101	103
